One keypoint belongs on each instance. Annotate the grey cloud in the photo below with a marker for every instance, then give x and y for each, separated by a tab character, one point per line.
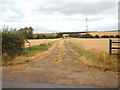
69	8
6	8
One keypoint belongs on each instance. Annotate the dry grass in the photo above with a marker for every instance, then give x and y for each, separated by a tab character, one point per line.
35	42
93	44
21	61
94	52
100	33
104	33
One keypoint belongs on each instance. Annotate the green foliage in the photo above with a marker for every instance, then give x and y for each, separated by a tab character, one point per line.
87	36
44	36
12	43
59	35
75	35
40	48
48	36
117	36
105	36
28	32
81	36
97	36
111	36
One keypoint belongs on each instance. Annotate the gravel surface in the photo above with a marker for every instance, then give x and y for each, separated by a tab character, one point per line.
16	84
60	67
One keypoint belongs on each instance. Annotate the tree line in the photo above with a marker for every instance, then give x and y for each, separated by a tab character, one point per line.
91	36
13	40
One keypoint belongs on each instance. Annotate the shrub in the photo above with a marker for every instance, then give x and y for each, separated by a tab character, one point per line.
111	36
117	36
44	36
12	43
97	36
74	35
87	36
59	35
105	36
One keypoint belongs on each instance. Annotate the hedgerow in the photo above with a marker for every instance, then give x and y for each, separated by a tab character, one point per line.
12	43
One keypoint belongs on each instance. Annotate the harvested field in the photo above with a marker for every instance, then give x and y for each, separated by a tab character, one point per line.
95	52
35	42
100	33
93	44
104	33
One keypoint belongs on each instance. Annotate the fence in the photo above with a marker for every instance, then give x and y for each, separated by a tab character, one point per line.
111	48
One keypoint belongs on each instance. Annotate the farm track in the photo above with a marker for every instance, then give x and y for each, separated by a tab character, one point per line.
61	67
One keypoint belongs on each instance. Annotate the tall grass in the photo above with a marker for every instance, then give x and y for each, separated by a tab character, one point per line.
100	60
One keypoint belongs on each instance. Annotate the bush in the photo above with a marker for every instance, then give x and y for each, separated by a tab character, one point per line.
97	36
81	36
105	36
117	36
12	43
87	36
59	35
75	35
111	36
44	36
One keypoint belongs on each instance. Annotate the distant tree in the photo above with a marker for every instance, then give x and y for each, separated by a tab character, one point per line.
105	36
97	36
87	36
28	32
111	36
76	35
117	36
59	35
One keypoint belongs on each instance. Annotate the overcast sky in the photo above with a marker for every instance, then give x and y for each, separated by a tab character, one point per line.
47	16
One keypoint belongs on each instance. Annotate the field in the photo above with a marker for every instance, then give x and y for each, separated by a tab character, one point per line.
93	44
95	52
104	33
35	42
101	33
71	61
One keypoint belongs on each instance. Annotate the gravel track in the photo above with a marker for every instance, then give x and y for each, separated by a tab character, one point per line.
60	67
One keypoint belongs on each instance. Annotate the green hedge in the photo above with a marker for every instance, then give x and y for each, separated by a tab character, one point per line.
91	36
12	43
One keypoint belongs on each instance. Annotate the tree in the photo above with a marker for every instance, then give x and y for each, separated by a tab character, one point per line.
28	32
111	36
105	36
59	35
97	36
117	36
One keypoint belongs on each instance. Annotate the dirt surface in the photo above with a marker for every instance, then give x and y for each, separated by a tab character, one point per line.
20	84
61	67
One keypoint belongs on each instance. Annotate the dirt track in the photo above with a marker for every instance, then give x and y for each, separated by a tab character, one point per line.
61	67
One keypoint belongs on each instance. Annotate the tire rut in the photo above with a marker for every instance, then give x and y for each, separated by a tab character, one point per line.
62	66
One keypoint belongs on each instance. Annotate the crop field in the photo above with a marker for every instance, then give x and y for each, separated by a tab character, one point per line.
35	42
67	60
93	44
104	33
95	52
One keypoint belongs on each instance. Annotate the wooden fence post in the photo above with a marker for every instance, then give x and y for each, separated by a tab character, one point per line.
110	46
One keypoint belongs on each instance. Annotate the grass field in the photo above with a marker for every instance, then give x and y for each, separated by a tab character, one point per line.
35	42
30	51
100	33
95	52
93	44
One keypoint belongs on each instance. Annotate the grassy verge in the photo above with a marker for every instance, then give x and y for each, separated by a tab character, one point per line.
31	51
100	60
